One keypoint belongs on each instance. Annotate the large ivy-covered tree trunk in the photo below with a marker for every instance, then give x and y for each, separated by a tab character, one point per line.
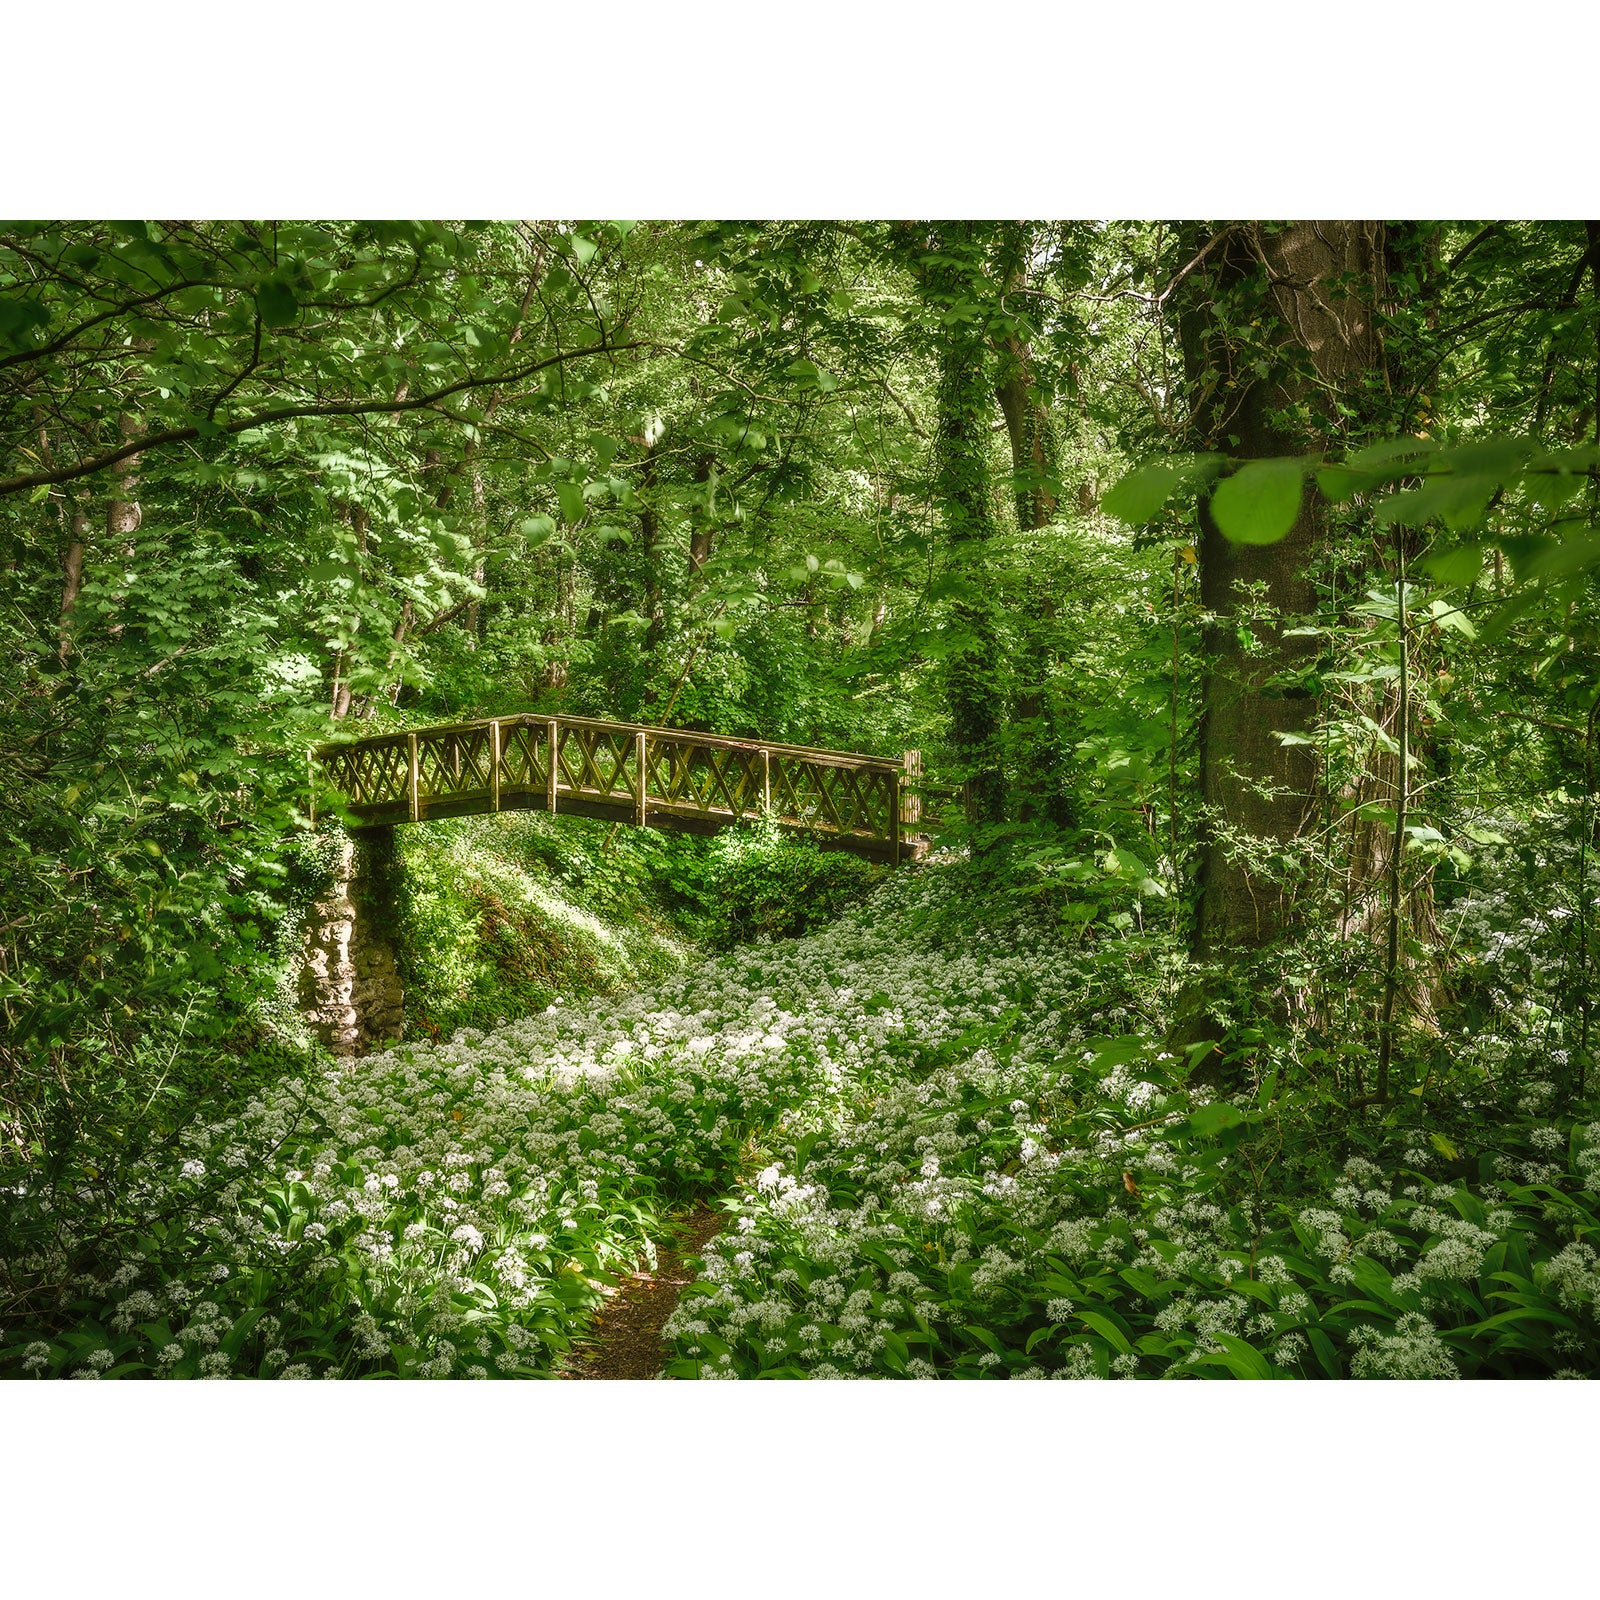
1045	724
1033	445
1277	332
974	669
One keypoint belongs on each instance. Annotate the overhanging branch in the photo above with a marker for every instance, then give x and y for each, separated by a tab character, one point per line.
288	413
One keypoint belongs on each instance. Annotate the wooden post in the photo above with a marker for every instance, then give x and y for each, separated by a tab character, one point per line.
766	783
416	804
641	762
494	764
911	803
311	783
894	818
550	754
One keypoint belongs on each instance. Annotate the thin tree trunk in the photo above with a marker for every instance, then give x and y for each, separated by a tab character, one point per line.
344	702
72	579
1397	847
123	514
700	532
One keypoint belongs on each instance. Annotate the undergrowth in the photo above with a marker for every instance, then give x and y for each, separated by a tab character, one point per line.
952	1145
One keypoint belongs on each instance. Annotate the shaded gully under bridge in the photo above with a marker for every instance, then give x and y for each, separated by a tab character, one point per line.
668	778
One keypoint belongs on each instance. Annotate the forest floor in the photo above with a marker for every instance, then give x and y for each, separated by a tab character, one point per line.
625	1338
948	1140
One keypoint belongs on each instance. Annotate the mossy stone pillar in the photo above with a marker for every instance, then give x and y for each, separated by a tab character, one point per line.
350	986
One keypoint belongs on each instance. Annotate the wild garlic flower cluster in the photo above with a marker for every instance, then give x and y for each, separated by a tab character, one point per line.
438	1207
961	1222
943	1179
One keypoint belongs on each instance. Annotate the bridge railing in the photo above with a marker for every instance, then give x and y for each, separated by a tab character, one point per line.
654	777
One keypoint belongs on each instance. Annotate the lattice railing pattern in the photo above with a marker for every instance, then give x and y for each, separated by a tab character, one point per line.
656	777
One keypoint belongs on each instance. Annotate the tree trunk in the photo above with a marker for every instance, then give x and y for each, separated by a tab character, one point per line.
343	702
1033	447
1277	329
1048	730
123	514
700	528
72	579
974	675
650	541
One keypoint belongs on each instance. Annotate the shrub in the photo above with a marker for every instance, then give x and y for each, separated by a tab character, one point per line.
762	883
490	928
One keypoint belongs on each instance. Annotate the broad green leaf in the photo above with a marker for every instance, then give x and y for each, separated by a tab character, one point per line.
1327	1356
1458	567
1341	483
571	497
1112	1053
1500	458
1551	560
1211	1119
1459	501
1107	1329
18	316
1446	615
1260	502
1249	1362
276	302
1390	452
1138	497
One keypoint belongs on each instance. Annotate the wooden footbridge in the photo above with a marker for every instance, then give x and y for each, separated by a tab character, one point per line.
666	778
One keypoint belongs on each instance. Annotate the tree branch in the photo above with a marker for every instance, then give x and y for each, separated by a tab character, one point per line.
337	408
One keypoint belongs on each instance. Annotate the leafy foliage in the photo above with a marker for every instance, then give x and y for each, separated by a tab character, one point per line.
970	489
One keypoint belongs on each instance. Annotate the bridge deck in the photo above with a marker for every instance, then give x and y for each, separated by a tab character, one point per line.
667	778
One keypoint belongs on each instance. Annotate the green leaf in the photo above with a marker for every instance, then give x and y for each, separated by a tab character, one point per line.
1551	560
1326	1354
1506	616
1247	1362
538	530
1373	1278
1260	502
276	302
1112	1053
1458	567
1387	452
18	316
1212	1119
1449	616
1107	1329
1457	500
571	497
1139	496
1341	483
985	1338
